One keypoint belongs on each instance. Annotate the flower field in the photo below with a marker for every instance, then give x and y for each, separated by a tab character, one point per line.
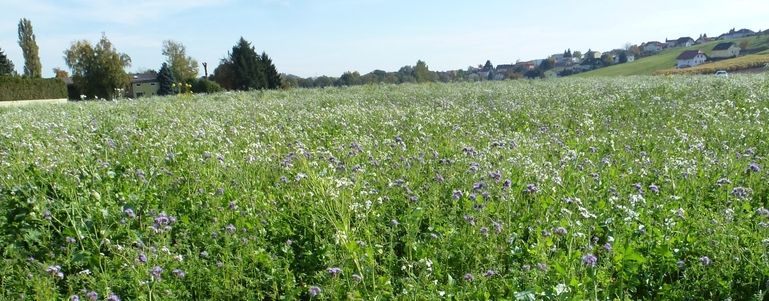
626	188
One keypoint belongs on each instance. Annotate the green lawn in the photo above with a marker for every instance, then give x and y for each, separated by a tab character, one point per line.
665	59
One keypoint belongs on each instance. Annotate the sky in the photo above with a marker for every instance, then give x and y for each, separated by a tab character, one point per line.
330	37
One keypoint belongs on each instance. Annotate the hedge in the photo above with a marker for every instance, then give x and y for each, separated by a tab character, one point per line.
21	88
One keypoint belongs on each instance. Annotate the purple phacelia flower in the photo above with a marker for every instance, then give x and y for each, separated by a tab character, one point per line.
457	194
762	212
607	246
704	260
497	227
542	266
754	167
357	278
113	297
230	228
478	186
179	273
560	231
156	272
142	258
531	189
469	219
469	277
74	298
589	260
334	271
723	181
55	270
233	206
484	231
741	192
314	291
71	240
489	273
654	188
129	212
92	296
507	184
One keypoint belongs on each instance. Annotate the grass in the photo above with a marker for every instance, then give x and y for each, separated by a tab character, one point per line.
666	59
570	189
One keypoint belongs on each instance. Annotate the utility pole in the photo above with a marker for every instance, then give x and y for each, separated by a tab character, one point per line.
205	69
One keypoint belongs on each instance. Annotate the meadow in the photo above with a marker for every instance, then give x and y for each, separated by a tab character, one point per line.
628	188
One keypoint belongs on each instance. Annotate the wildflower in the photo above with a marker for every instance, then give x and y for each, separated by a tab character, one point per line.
204	254
334	271
469	219
507	184
741	192
230	228
681	264
55	270
113	297
654	188
560	231
484	231
497	227
469	277
762	211
314	291
525	268
93	296
753	167
589	260
531	189
142	258
155	272
394	222
178	273
233	206
357	278
704	260
542	266
457	194
608	247
71	240
478	186
723	181
129	212
489	273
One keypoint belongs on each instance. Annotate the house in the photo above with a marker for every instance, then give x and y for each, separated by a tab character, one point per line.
652	46
703	39
616	58
680	42
526	65
690	58
725	50
504	68
143	84
732	34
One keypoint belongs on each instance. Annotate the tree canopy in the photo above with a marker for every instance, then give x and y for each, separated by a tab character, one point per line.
165	80
28	44
97	70
6	66
244	69
183	67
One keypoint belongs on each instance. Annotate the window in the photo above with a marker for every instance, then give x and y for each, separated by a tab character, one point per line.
152	84
138	85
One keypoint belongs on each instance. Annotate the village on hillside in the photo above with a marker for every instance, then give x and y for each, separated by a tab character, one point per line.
568	62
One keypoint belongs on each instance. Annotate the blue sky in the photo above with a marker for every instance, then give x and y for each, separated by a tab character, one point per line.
329	37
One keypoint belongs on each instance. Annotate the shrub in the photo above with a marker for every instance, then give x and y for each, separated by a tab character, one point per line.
21	88
205	86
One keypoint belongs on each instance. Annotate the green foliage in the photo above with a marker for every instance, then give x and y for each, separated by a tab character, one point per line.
97	70
206	86
28	44
638	188
18	88
182	66
422	73
165	80
6	66
244	69
270	72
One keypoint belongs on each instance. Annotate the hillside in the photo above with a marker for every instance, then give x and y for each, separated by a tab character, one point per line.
666	59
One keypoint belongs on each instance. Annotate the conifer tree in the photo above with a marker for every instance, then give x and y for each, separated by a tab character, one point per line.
165	80
6	66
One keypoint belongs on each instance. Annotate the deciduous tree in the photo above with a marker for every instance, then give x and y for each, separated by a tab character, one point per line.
97	70
29	49
183	67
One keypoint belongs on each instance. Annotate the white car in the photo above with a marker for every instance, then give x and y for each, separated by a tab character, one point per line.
722	73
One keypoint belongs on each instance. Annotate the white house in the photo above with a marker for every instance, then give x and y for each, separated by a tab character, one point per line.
680	42
725	50
737	34
690	58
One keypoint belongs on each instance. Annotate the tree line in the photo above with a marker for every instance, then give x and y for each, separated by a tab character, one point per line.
98	70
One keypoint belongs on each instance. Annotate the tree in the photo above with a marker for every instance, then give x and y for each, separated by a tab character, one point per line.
271	73
59	73
422	73
488	65
97	70
32	67
6	66
349	79
224	75
623	57
547	64
607	59
744	44
577	54
183	67
166	80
